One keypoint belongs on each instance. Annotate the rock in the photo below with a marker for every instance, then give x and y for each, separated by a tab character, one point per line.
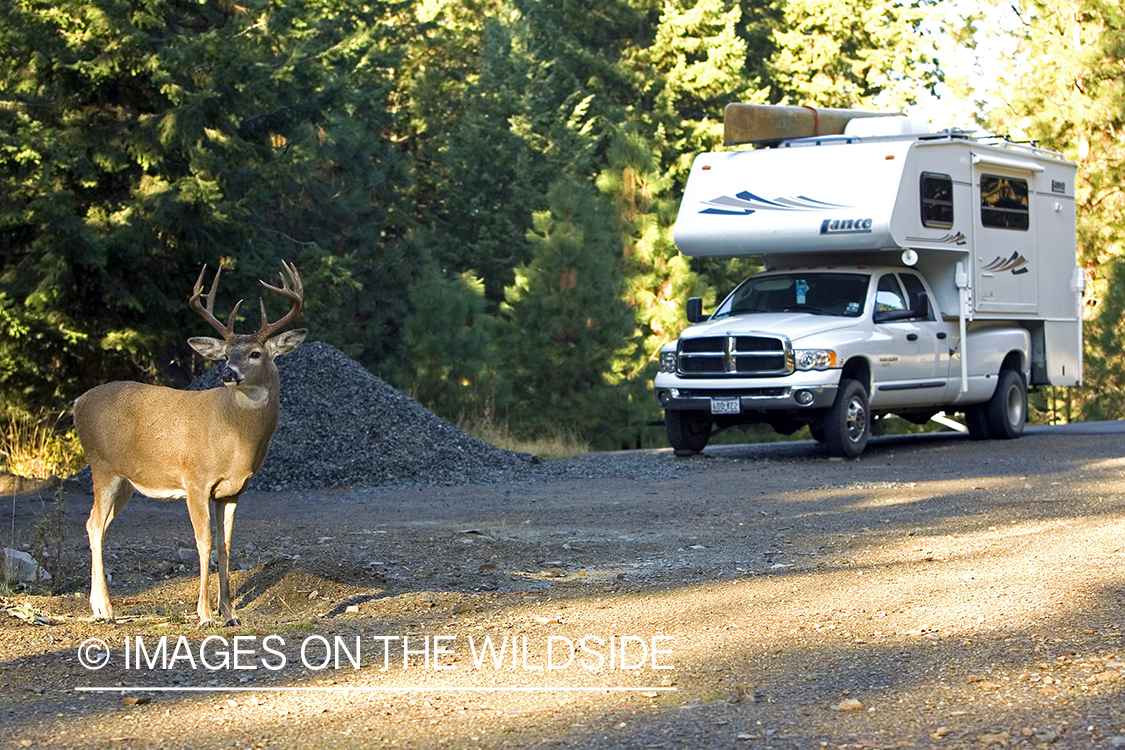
1110	675
22	567
188	557
743	694
850	704
1000	739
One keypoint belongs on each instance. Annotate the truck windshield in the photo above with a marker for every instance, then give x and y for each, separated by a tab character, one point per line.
840	294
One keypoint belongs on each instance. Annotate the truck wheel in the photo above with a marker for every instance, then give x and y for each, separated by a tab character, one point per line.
1007	409
848	423
688	431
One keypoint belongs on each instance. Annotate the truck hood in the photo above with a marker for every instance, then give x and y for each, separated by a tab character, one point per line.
794	325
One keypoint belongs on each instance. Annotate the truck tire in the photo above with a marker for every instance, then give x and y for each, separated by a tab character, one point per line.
688	431
848	423
1007	409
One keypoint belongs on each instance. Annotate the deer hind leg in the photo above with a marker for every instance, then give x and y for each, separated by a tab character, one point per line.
199	509
224	521
111	495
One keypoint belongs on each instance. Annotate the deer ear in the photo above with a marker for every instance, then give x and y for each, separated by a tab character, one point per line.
283	343
209	347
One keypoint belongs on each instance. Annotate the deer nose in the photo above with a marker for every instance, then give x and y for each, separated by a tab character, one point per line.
230	376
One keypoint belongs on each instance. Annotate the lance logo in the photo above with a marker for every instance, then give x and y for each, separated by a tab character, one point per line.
846	226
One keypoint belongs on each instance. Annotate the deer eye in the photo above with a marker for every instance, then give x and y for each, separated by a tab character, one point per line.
255	355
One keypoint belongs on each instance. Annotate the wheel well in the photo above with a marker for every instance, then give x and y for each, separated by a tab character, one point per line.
1014	361
857	369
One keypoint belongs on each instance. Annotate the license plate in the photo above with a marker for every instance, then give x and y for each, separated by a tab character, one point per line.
726	405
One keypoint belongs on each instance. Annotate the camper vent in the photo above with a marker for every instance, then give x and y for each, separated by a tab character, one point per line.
736	355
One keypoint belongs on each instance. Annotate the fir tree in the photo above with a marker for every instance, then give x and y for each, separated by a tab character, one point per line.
141	140
570	338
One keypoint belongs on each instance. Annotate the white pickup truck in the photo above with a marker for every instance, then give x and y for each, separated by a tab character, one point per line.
908	273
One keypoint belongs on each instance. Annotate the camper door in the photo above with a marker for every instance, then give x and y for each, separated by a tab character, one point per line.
1004	234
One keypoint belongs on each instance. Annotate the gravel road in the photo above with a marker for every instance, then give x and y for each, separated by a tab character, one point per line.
936	593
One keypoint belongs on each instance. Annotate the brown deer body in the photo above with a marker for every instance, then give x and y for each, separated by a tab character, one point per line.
204	446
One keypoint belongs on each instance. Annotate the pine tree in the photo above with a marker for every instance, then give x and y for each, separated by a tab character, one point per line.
449	345
570	338
853	53
141	140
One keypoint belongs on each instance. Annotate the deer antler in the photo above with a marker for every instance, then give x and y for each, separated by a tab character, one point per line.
207	313
295	295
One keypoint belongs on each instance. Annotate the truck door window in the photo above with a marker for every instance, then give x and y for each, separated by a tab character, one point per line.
937	200
1003	202
914	289
889	295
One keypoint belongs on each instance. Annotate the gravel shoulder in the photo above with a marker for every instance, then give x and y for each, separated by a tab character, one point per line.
937	593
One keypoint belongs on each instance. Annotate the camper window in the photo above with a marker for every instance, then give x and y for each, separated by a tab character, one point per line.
937	200
1003	202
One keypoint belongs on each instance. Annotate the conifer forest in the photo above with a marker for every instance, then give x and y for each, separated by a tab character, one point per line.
479	194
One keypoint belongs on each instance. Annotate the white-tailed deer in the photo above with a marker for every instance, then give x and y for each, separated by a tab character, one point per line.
200	445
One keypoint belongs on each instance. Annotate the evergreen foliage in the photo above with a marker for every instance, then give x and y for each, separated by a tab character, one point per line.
569	339
141	140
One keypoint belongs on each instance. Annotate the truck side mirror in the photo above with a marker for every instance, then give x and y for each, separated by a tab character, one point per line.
922	305
695	309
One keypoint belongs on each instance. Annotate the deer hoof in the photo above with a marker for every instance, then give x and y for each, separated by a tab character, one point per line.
234	621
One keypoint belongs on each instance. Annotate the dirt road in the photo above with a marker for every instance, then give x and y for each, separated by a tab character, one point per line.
939	592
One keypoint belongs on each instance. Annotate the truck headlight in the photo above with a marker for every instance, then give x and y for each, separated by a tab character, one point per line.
814	359
668	361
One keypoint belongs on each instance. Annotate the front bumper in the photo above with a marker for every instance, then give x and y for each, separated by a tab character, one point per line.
799	392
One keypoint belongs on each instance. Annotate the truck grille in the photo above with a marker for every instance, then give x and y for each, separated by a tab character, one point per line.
736	355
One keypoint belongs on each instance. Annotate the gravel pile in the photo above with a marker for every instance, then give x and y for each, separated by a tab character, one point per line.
341	426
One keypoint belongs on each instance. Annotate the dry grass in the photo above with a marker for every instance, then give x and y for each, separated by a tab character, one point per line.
556	446
33	446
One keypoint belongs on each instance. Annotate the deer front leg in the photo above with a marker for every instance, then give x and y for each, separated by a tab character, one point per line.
111	495
224	519
199	508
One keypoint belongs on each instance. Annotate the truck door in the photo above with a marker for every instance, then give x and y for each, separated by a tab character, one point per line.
911	366
1005	255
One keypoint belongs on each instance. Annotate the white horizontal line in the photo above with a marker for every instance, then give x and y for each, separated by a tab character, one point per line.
364	689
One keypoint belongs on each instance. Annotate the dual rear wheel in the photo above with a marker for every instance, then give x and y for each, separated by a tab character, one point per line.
1003	416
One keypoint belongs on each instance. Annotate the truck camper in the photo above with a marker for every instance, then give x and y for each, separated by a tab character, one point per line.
907	272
